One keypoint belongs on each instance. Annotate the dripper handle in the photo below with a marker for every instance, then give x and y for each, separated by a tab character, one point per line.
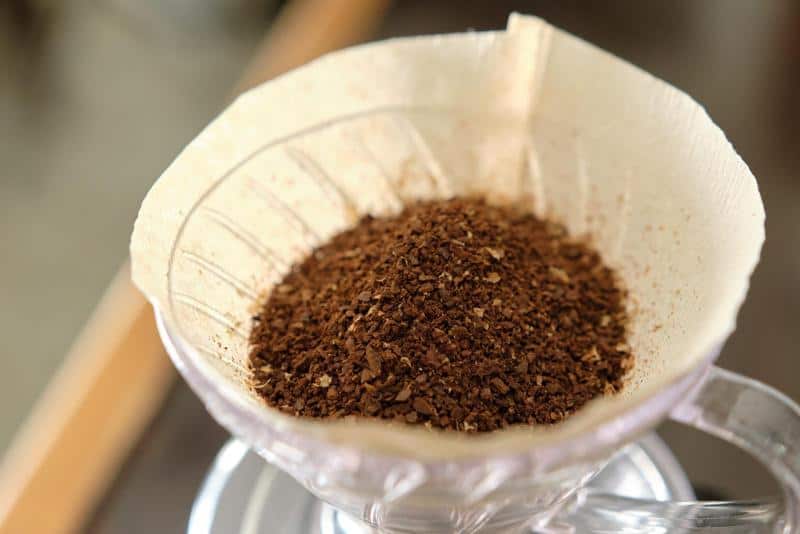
757	418
742	411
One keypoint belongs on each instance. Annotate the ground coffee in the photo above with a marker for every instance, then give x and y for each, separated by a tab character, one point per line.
454	314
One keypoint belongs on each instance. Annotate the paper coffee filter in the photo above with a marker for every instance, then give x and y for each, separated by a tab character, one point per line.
530	115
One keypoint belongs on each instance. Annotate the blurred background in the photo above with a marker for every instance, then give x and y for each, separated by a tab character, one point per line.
98	96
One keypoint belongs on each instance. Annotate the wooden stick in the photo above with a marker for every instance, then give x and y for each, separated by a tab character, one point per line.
307	29
113	380
116	376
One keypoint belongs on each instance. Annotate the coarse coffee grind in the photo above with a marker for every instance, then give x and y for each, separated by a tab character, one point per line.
454	314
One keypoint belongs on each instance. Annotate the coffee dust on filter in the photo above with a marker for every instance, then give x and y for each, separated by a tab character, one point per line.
454	314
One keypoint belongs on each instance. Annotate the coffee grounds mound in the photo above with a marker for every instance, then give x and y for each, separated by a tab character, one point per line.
454	314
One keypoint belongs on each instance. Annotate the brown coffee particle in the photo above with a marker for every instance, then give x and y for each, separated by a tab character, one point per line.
453	314
559	274
404	394
374	361
493	278
499	385
496	253
423	406
432	358
366	375
591	355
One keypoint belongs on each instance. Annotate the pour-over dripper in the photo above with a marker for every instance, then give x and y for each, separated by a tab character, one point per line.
526	114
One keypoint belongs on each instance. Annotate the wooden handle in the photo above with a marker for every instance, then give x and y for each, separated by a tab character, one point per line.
116	376
307	29
91	414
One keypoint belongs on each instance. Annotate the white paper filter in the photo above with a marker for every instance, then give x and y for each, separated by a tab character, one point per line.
530	113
